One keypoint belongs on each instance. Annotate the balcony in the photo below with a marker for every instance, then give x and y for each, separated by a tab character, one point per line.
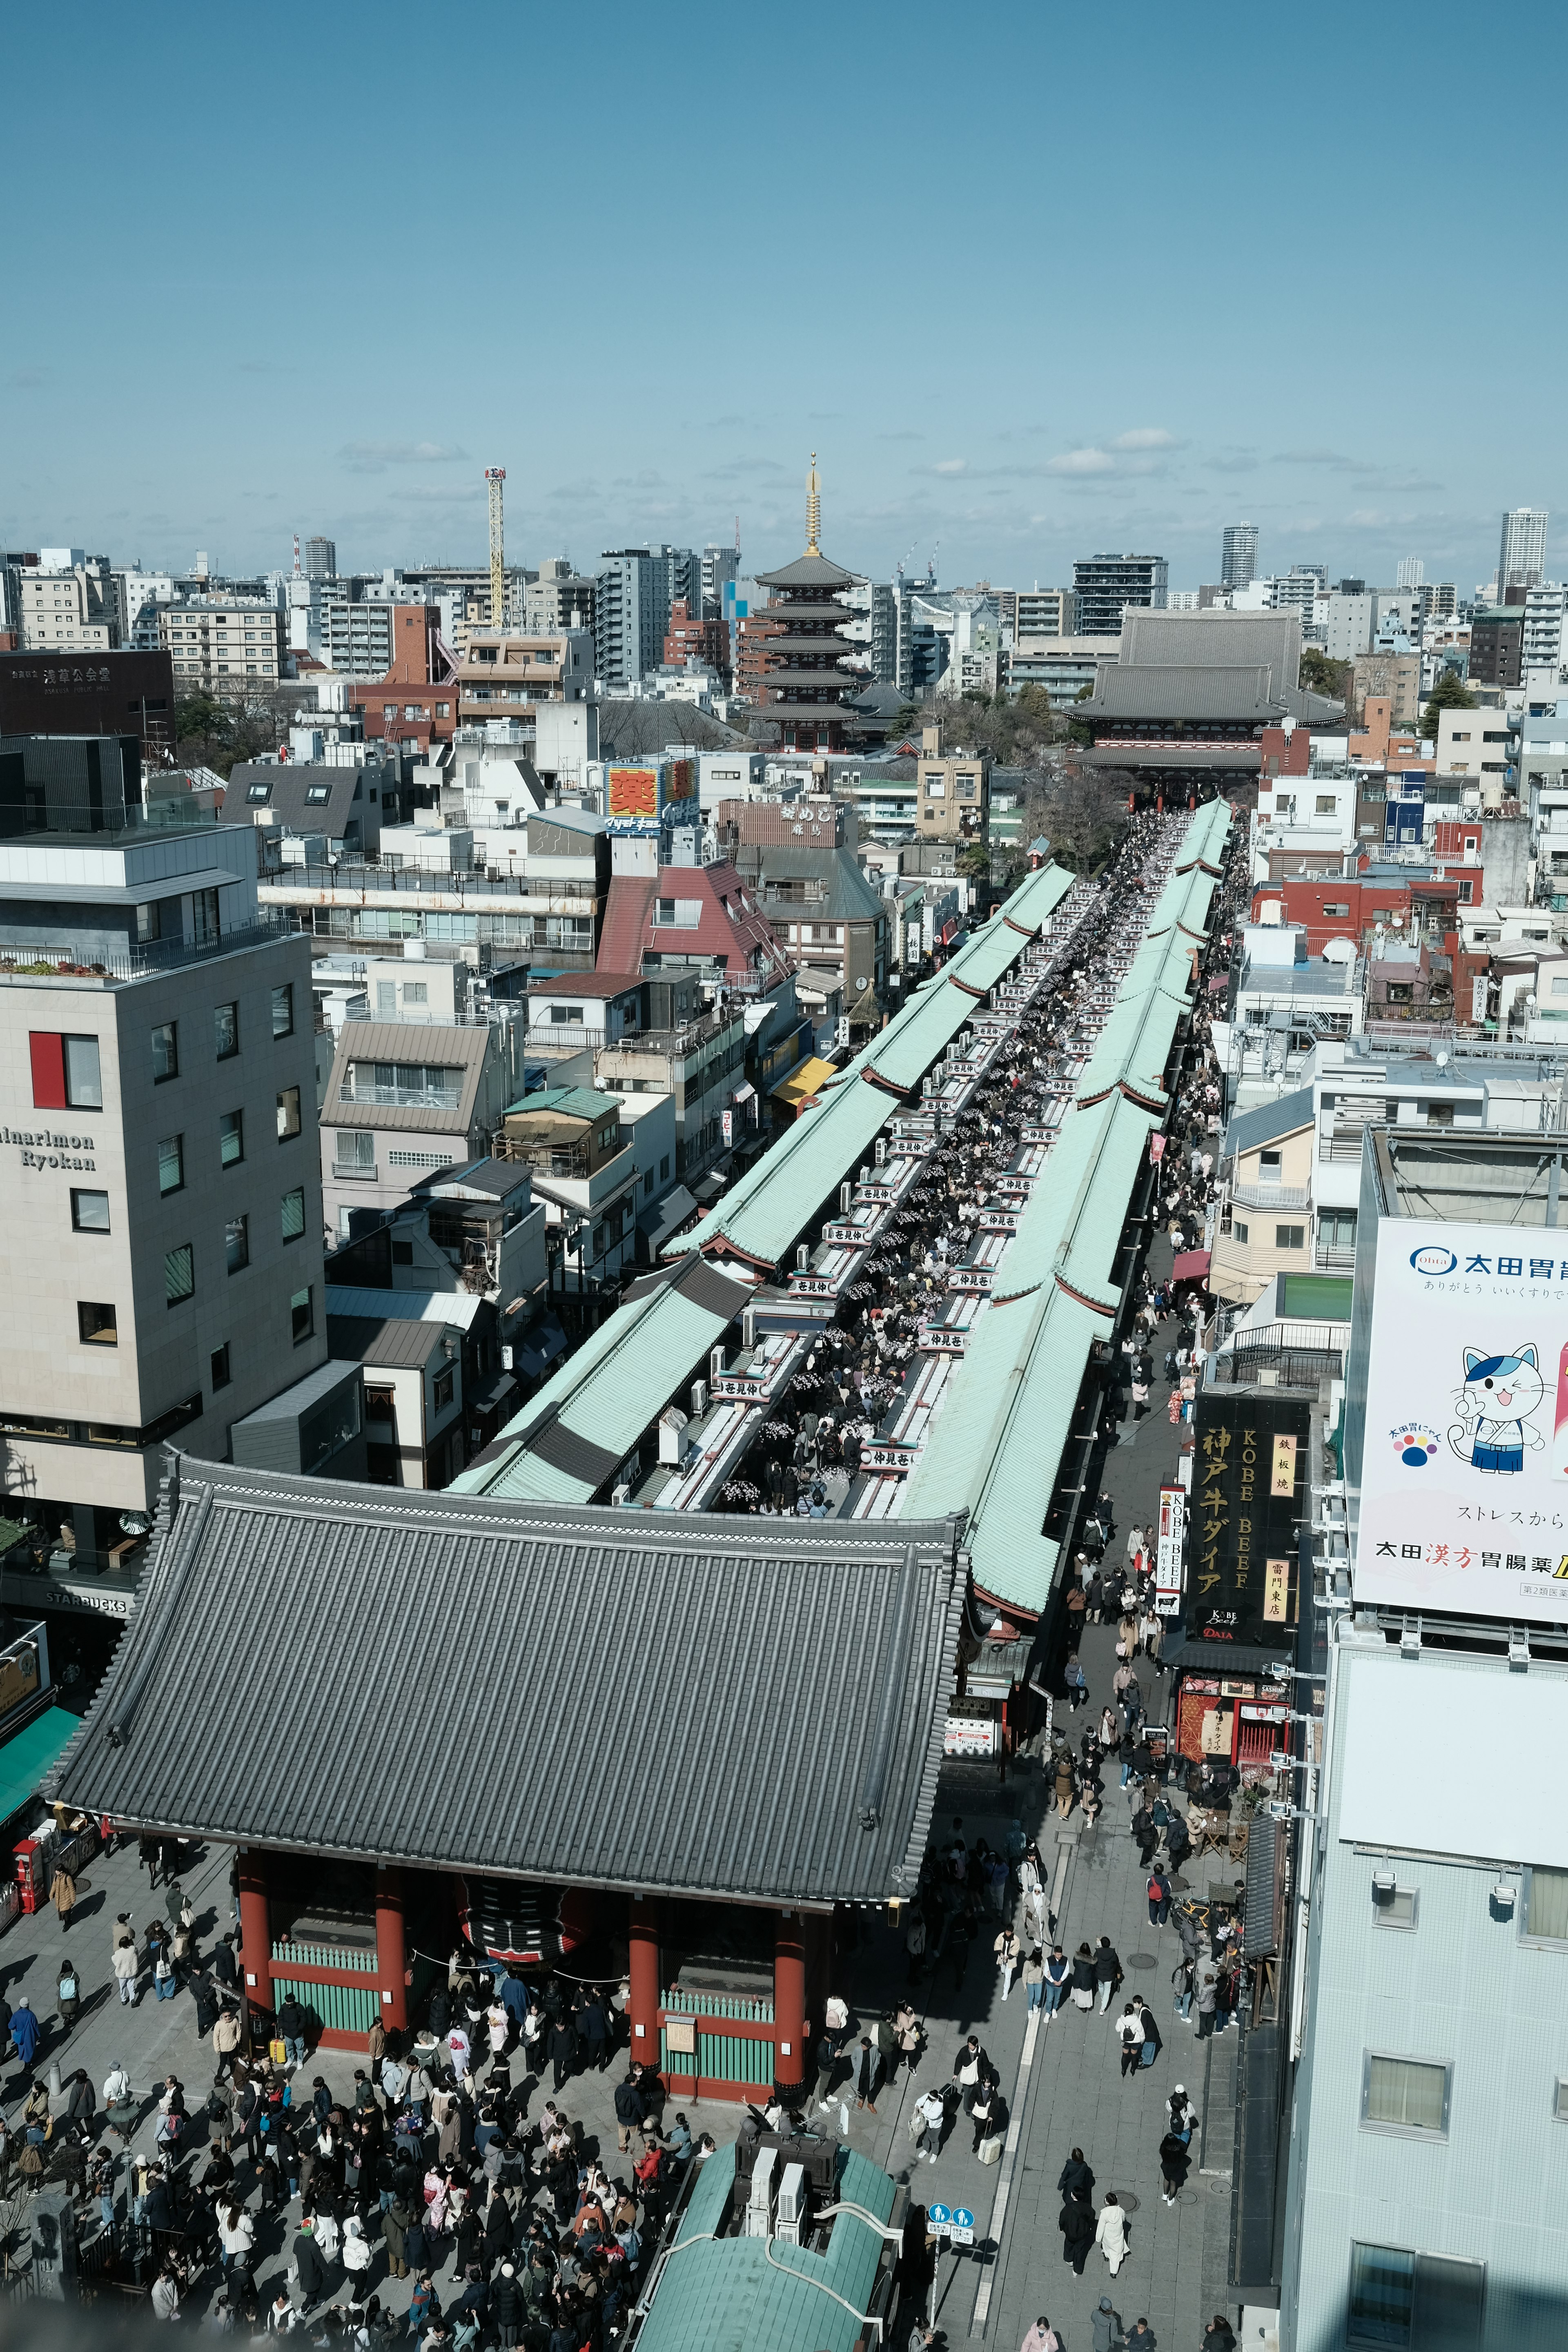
1335	1257
1270	1196
28	960
355	1172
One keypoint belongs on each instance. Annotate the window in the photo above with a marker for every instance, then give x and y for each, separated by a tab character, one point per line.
566	1013
1559	2100
1439	1114
664	1169
1268	1167
301	1315
203	917
1406	2095
1326	804
1418	2300
442	1393
283	1010
171	1164
1546	1907
415	991
356	1152
293	1214
66	1075
317	793
1289	1236
226	1031
648	1184
1336	1229
404	1086
96	1325
1395	1906
165	1052
231	1137
149	923
218	1360
179	1273
237	1244
288	1113
1337	909
1239	1232
90	1211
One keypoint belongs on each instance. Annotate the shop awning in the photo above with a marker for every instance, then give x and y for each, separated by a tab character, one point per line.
1191	1265
744	1094
708	1189
540	1346
27	1758
807	1077
664	1217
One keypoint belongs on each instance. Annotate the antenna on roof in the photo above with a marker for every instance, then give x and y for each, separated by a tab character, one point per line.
813	509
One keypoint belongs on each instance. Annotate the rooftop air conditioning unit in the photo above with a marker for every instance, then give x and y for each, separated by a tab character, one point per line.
672	1437
716	1364
881	1151
802	1258
760	2199
846	1196
620	1496
792	2222
749	1328
698	1399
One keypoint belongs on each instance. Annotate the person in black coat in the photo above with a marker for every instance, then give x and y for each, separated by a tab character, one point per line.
593	2025
1174	2163
1076	2178
312	2270
562	2047
1077	2224
628	2112
506	2306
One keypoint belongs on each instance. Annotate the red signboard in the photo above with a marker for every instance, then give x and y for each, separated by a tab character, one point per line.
633	791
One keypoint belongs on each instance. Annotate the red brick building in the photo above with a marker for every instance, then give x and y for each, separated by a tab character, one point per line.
417	701
695	640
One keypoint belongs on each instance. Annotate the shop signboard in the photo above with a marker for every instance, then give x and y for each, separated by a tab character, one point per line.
633	792
1464	1495
1172	1527
1248	1500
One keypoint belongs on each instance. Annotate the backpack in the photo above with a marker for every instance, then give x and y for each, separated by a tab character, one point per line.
67	1988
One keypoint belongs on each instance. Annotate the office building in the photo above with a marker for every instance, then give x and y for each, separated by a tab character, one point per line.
1521	555
321	559
633	591
67	603
162	1250
1106	585
721	569
1411	573
1343	620
558	599
224	645
1541	643
1430	1996
1497	644
114	694
1239	555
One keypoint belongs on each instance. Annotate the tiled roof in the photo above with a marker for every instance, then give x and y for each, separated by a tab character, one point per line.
433	1042
526	1737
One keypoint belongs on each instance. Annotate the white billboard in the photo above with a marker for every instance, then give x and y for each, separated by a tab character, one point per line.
1464	1500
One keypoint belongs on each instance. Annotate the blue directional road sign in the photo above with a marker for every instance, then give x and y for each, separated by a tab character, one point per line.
938	2217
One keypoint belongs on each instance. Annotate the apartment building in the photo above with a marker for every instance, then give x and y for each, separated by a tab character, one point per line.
953	800
224	645
559	600
410	1096
1105	585
503	675
161	1251
67	603
585	1169
1040	612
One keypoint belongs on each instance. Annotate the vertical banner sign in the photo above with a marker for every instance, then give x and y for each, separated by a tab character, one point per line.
1168	1551
1248	1473
1156	1146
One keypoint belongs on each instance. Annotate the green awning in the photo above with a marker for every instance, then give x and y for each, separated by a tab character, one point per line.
25	1759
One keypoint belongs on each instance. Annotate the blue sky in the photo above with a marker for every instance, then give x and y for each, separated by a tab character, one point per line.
1034	281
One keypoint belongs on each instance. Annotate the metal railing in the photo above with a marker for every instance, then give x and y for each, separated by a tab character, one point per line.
1270	1196
353	1172
44	958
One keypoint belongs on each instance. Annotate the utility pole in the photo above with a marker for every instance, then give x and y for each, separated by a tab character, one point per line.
495	476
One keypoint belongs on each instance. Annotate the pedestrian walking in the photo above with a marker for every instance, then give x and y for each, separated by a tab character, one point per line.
1058	1979
1110	2233
931	2108
1042	2337
1220	2335
864	2075
1008	1953
1034	1977
1076	2222
1174	2161
1076	2178
126	1972
1106	2333
1083	1977
1158	1898
62	1894
1208	2002
24	2029
1130	2034
1107	1973
1064	1783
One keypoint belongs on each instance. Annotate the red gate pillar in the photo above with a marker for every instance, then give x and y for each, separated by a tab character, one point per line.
642	2008
254	1930
789	2001
391	1959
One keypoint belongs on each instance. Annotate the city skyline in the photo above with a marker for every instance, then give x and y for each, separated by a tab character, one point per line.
1019	430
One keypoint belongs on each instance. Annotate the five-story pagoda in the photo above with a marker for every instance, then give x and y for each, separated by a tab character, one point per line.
803	685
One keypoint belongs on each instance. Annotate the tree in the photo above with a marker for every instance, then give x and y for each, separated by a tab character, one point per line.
1321	676
1081	815
1449	693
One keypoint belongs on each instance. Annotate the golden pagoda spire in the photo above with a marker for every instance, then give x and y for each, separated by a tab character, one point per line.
813	509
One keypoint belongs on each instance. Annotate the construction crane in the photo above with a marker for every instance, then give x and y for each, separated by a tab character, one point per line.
495	476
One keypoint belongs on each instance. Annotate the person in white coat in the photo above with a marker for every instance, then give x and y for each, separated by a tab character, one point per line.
1111	2234
236	2234
328	2236
356	2257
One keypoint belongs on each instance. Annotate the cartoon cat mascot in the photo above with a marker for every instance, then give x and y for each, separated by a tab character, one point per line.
1498	1395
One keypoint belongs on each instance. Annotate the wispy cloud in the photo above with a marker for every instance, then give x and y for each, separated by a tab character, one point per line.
1146	436
375	457
950	466
1083	461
